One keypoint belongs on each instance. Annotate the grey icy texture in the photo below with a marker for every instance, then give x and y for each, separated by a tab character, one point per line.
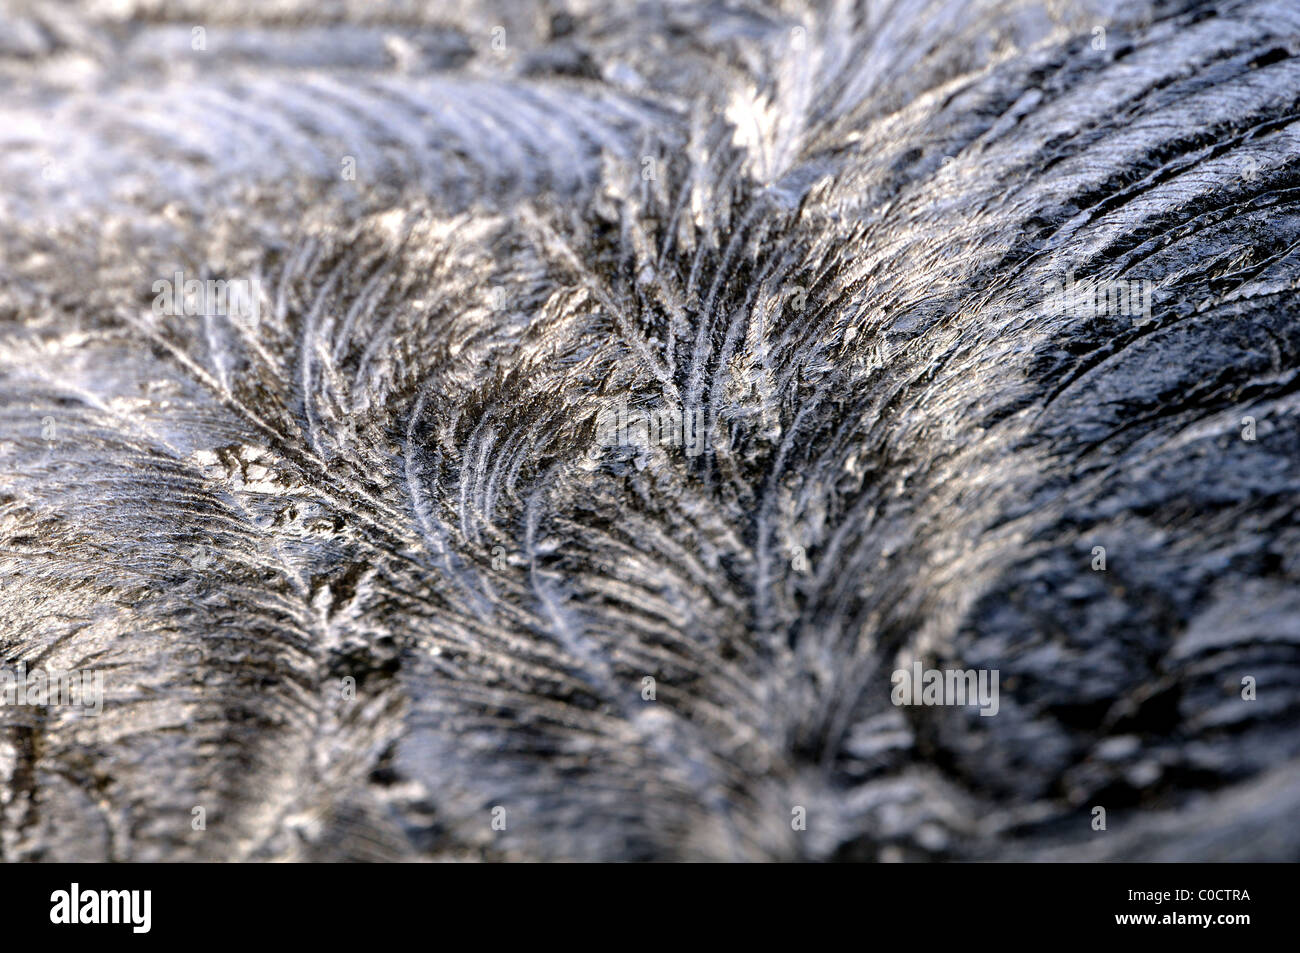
836	252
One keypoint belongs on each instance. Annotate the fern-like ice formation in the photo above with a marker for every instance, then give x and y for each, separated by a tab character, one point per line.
366	580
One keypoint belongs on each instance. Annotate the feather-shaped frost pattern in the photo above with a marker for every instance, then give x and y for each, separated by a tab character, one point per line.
546	431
